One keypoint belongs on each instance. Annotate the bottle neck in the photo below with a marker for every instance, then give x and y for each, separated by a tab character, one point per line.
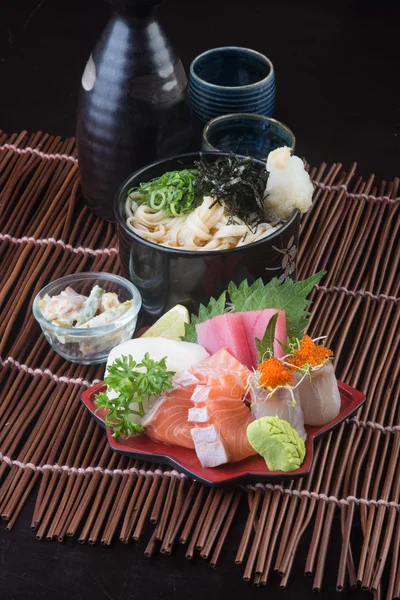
135	8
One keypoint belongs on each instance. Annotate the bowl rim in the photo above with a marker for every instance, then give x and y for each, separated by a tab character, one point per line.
254	116
191	253
271	74
121	322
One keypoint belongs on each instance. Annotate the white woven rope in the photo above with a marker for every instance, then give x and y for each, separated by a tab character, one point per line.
109	251
47	372
88	470
52	241
343	187
338	501
323	186
37	152
357	293
148	473
86	383
374	425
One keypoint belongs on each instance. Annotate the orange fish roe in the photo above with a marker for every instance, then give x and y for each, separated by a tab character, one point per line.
274	373
309	354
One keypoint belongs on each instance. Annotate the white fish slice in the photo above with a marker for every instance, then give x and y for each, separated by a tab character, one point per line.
319	395
279	404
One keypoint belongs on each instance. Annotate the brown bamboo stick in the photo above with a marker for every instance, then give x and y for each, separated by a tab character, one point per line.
257	538
192	515
106	503
97	503
162	523
272	543
395	563
224	532
166	545
183	512
209	519
266	535
142	486
146	506
249	525
217	524
192	544
159	500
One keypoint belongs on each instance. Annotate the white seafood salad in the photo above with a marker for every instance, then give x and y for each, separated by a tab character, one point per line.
70	309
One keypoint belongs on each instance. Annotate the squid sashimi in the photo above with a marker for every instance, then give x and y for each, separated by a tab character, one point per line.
167	421
219	411
255	323
225	331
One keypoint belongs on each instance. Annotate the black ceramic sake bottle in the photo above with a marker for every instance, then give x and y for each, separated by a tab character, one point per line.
132	105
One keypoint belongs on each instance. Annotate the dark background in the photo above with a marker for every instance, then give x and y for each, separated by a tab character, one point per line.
337	66
337	69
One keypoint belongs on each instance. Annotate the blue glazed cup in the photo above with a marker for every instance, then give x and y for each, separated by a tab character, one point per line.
247	135
231	80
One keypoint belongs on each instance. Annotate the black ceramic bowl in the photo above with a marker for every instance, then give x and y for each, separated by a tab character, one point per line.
167	276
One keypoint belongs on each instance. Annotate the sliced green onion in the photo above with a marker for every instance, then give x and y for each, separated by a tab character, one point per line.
173	192
173	207
153	202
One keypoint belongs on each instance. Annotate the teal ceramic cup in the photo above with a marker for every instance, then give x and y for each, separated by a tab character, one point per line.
247	135
231	80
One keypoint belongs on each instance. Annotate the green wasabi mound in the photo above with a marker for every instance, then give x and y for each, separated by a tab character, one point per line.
277	442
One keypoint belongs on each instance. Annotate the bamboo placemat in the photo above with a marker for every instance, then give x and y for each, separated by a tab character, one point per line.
51	447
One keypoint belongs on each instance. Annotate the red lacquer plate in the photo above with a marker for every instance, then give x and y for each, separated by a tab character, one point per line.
252	469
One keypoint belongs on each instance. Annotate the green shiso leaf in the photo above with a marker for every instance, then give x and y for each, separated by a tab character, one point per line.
289	296
265	347
213	308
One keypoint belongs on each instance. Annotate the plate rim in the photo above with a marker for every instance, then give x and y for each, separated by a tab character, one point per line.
271	477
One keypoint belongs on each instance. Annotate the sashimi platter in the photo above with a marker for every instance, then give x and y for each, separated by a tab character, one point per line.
236	393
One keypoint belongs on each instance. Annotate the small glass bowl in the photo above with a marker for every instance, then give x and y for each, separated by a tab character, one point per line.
246	134
90	346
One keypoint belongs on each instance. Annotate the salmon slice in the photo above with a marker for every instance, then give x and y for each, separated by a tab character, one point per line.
220	365
226	419
205	411
167	421
219	412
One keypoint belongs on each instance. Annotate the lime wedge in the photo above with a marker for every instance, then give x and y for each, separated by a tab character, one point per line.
171	325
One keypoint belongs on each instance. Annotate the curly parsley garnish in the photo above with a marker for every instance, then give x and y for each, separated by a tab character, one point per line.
135	383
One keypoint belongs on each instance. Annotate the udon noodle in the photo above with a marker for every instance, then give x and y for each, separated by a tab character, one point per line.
208	227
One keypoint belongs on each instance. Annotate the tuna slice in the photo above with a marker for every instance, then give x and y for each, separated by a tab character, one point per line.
238	332
255	323
225	331
219	412
167	421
